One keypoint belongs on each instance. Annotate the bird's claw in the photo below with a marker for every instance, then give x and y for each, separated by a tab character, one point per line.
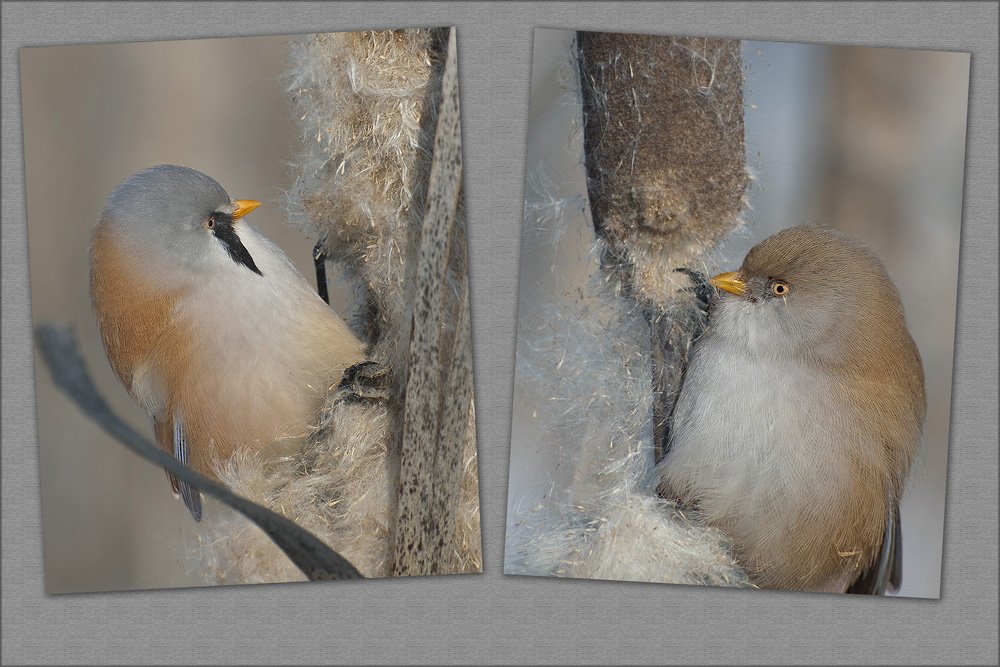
364	382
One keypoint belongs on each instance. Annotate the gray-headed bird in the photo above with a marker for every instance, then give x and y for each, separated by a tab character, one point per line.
206	322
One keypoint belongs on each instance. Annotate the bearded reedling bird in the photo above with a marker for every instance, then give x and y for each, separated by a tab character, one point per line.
207	324
799	415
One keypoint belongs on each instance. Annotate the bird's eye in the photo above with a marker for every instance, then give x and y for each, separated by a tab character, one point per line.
780	289
210	223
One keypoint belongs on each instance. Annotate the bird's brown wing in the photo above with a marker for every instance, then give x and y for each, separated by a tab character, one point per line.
135	314
886	573
132	308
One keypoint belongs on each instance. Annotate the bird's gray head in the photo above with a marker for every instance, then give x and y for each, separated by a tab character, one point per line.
182	213
807	289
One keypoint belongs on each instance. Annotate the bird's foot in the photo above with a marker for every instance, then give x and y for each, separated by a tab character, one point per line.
365	382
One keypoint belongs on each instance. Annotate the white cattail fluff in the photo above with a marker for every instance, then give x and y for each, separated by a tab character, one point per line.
367	107
583	361
340	486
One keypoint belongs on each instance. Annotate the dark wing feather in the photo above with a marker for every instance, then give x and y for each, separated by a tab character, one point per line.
886	573
170	437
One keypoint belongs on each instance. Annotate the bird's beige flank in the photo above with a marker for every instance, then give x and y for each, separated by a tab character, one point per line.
801	412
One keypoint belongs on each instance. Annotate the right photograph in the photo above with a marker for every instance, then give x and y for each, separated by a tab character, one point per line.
736	318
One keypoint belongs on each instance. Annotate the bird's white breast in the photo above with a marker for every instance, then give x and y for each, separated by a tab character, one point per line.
754	437
267	347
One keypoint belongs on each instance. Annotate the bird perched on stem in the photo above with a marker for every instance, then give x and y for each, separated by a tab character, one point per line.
207	323
800	413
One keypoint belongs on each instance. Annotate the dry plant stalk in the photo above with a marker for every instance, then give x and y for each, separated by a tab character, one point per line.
439	379
666	175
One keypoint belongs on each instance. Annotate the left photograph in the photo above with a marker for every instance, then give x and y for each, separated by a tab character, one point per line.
250	302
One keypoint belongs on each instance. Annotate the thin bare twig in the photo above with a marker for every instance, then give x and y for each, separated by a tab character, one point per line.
59	351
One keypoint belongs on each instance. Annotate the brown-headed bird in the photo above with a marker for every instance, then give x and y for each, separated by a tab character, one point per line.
800	413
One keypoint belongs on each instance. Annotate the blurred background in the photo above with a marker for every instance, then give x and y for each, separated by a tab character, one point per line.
869	141
94	115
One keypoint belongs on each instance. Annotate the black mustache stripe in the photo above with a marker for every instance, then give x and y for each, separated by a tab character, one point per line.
224	231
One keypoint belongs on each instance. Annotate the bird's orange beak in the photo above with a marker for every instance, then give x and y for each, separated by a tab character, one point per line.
244	206
730	282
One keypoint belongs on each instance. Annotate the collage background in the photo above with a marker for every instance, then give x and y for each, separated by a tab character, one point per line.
490	617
